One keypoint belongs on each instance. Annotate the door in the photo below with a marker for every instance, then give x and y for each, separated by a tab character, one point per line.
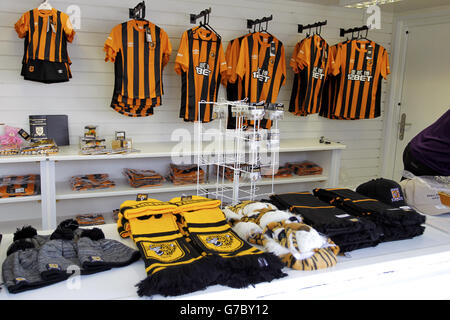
426	84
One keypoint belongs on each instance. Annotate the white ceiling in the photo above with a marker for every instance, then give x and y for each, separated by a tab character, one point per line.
401	6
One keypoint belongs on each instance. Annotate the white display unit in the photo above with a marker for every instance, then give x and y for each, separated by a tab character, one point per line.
58	201
416	268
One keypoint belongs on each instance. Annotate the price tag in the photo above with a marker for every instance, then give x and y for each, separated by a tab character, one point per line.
141	197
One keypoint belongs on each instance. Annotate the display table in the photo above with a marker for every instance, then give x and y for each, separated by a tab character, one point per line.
417	268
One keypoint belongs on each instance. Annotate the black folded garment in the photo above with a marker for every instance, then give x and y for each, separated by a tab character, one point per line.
347	231
394	223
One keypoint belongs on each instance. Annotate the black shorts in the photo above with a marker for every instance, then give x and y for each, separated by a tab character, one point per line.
46	71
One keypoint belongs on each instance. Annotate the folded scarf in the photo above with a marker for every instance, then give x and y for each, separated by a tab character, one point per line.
393	223
347	231
239	263
298	245
174	267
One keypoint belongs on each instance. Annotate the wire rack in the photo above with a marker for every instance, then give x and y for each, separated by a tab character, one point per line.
235	160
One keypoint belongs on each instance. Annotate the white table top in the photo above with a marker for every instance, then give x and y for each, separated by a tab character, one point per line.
427	253
162	149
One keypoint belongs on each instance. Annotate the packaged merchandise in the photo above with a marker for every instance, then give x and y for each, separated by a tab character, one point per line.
282	172
227	172
90	219
185	174
304	168
46	127
139	178
424	197
298	245
115	215
90	132
91	182
46	146
9	150
92	144
34	261
12	137
445	198
122	144
18	186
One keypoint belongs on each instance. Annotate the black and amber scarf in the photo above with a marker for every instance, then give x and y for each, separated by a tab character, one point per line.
188	245
238	263
173	265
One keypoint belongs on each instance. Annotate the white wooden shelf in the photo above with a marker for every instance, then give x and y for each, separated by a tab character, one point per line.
54	189
22	158
65	192
165	149
20	199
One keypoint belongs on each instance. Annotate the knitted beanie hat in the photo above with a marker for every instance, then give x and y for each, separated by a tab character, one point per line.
20	269
103	254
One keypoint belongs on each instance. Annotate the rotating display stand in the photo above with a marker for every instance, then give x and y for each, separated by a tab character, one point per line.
242	154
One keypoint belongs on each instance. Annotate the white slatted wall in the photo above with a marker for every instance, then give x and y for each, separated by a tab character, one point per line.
87	96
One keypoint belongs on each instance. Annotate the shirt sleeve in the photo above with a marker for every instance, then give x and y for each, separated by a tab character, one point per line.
282	65
293	62
68	28
304	55
242	60
330	61
182	59
166	48
385	69
228	58
22	25
336	63
112	45
223	67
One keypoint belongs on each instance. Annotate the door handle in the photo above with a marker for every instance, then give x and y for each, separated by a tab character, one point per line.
402	125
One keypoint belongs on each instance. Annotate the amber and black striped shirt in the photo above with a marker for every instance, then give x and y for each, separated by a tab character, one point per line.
361	65
46	34
312	62
235	85
295	103
201	63
331	89
139	61
262	64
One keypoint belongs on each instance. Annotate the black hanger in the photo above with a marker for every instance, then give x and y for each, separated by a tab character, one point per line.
138	12
317	26
343	32
259	22
365	36
265	29
205	24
